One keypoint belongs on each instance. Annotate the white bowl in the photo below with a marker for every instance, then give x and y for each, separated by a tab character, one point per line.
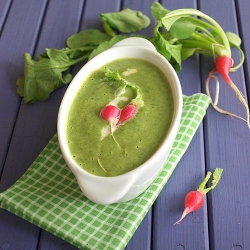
108	190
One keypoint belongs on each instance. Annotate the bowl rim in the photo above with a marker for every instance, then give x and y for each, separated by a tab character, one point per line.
134	51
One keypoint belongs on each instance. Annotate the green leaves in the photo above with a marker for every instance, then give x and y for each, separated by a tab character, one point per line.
90	37
114	77
106	45
186	34
158	11
216	178
207	29
47	73
182	28
51	69
124	21
233	39
172	52
177	35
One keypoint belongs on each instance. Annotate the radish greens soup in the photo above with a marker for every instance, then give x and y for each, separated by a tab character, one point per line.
119	117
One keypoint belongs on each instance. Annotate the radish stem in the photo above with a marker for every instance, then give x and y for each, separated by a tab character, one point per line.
187	13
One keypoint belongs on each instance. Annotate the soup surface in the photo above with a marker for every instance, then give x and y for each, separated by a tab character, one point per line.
138	138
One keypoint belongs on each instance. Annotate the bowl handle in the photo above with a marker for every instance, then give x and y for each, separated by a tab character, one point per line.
135	41
103	192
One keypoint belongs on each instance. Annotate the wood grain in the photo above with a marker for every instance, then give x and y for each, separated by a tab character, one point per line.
221	141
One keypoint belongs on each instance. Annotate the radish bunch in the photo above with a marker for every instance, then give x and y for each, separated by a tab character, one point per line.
189	31
195	199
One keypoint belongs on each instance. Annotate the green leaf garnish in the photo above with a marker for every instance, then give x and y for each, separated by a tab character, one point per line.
114	77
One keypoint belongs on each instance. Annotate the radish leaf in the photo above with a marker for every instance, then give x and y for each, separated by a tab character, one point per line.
185	53
47	73
105	45
182	28
169	19
186	31
125	21
233	39
158	11
216	178
172	52
85	38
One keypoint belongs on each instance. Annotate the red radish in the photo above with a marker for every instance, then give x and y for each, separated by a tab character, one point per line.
131	109
192	202
127	113
223	65
195	199
110	113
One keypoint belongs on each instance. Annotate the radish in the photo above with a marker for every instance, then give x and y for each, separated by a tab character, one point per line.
127	113
190	31
110	113
223	65
131	109
195	199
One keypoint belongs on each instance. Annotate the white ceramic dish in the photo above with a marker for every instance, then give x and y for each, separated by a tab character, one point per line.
108	190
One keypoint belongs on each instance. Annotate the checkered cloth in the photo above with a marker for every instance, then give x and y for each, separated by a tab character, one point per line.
48	196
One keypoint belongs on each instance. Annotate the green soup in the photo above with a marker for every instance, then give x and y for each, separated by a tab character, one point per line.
138	138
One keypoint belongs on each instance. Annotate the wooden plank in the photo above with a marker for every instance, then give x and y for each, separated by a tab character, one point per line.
33	125
187	176
227	146
11	64
144	7
60	27
36	123
90	18
4	8
66	23
14	231
244	20
51	242
93	9
144	231
41	118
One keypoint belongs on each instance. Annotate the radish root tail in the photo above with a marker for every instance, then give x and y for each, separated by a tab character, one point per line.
214	101
99	163
112	134
242	100
185	212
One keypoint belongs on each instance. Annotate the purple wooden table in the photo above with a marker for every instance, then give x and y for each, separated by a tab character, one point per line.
224	221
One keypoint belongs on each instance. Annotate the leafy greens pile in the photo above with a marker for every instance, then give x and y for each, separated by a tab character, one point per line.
176	37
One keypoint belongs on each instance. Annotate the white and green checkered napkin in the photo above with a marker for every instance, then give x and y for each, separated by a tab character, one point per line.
48	196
